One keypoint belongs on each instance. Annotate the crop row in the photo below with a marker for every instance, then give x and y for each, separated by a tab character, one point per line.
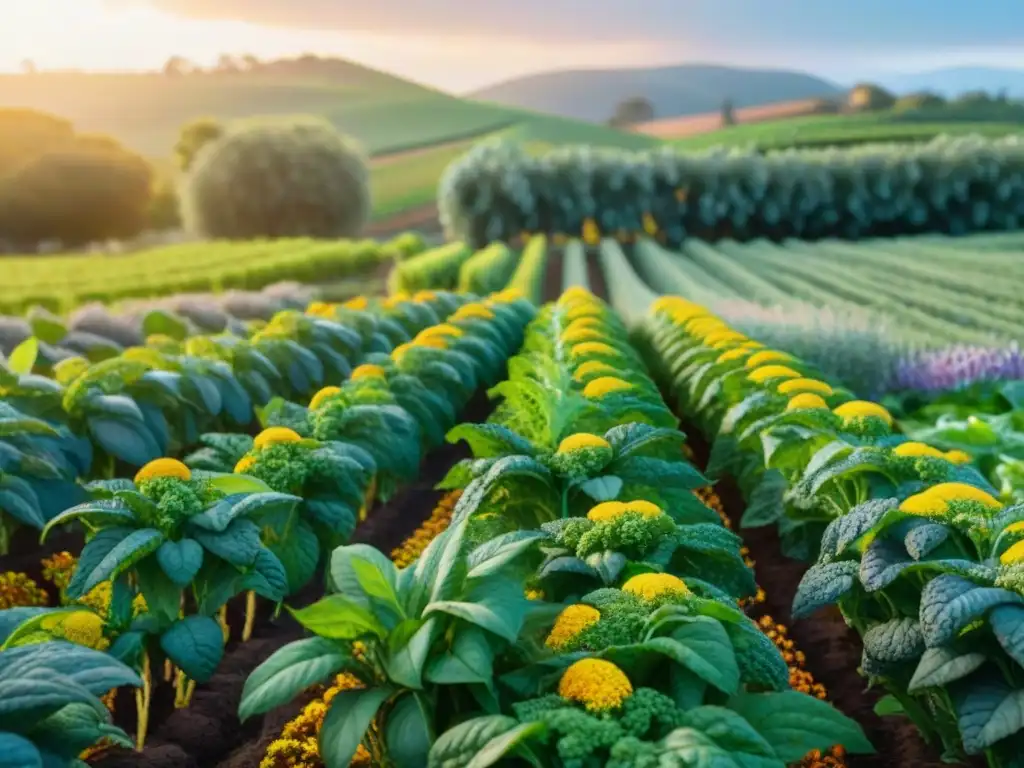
167	550
580	608
498	191
911	542
61	283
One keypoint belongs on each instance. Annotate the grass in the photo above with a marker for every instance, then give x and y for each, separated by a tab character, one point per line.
825	130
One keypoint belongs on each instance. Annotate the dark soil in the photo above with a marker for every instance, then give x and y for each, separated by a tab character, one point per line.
208	732
552	276
595	275
832	648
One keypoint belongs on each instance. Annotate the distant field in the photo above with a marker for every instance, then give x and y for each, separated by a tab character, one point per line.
838	130
691	125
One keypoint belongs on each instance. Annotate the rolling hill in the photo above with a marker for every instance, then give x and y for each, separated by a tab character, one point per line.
686	89
386	113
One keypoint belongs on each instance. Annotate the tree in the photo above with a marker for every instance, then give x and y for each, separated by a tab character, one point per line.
728	114
868	97
631	111
176	65
26	134
920	100
194	136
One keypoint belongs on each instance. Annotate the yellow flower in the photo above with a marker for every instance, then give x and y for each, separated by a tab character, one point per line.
434	342
576	335
575	294
768	356
591	233
163	468
1013	555
917	449
85	628
424	296
396	299
274	436
442	329
795	386
771	372
606	385
584	310
245	464
367	371
358	302
597	684
650	225
594	348
323	396
592	367
805	402
652	585
534	594
607	511
17	590
719	338
570	623
399	352
958	457
473	312
69	369
736	353
582	440
507	296
935	500
861	409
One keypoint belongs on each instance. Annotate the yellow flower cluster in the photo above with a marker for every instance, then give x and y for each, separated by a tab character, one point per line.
835	757
322	396
438	336
59	568
582	440
806	401
275	436
604	386
914	449
598	685
367	371
651	586
935	500
862	409
163	468
17	590
607	511
801	385
592	368
297	747
570	623
769	372
472	311
438	521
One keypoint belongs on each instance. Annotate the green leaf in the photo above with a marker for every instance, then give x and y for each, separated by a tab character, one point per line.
939	667
491	440
506	743
988	710
162	322
1007	622
408	646
75	728
486	616
288	672
759	660
888	706
298	553
457	746
604	488
345	724
470	660
340	618
18	752
494	554
795	723
407	732
701	646
824	584
230	484
120	558
765	505
23	357
894	641
730	732
949	603
377	584
180	560
196	645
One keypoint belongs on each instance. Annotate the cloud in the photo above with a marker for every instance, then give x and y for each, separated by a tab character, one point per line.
701	25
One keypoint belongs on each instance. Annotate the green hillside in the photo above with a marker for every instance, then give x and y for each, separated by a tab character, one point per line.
388	114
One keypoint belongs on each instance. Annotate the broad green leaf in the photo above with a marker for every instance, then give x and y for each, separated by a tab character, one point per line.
604	488
408	646
196	645
888	706
507	743
180	560
470	660
75	728
117	559
1007	622
729	731
340	618
939	667
765	505
407	731
894	641
230	484
491	440
491	556
18	752
988	710
795	723
824	584
458	745
23	357
345	724
288	672
949	603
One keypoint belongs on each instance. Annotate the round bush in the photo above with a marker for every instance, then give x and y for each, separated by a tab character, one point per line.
278	179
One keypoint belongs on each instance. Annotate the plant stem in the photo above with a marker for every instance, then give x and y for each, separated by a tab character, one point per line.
142	697
250	616
168	670
225	628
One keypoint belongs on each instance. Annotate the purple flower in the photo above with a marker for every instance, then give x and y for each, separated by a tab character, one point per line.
958	366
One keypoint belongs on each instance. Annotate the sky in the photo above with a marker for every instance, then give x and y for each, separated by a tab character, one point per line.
459	45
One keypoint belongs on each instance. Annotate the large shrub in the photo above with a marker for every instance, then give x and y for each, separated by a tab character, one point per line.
278	179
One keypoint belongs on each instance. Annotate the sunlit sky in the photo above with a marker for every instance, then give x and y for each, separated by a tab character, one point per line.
463	44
